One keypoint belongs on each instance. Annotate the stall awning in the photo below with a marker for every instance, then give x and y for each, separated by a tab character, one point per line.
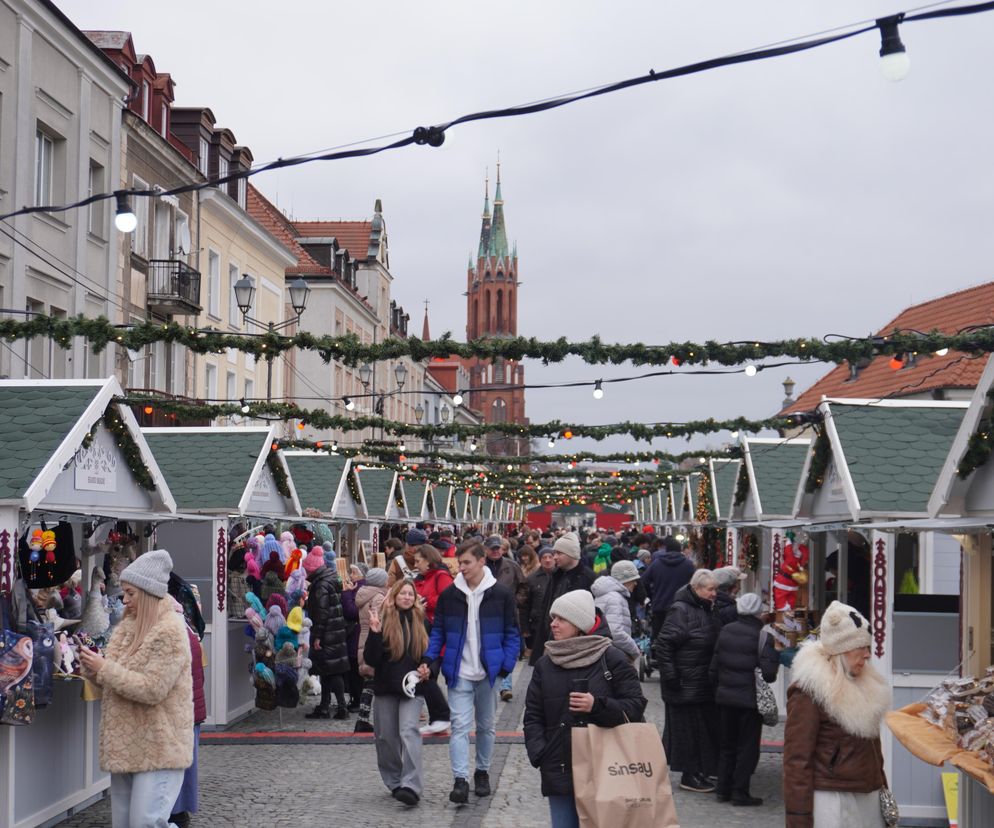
765	524
950	524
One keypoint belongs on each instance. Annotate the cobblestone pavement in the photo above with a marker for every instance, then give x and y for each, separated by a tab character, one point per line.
325	784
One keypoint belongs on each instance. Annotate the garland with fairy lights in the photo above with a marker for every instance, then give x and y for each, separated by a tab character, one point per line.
741	485
350	350
979	446
114	423
279	474
705	509
750	552
321	419
821	456
353	486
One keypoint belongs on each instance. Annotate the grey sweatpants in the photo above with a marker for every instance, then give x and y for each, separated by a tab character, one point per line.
398	741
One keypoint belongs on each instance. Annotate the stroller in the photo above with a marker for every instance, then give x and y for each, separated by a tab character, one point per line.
642	633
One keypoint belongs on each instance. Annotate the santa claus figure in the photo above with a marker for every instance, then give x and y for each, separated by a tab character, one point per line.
793	572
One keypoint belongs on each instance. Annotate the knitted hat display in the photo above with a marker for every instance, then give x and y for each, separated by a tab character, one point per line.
376	577
274	620
288	637
843	629
272	564
749	604
271	584
292	562
252	567
314	560
295	583
287	542
270	545
253	547
295	620
569	545
329	553
276	600
624	572
253	601
286	653
577	607
150	572
253	618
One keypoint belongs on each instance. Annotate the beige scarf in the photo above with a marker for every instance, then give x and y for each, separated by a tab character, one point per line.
581	651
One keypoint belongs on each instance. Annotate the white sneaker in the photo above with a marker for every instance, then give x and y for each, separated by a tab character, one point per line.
435	727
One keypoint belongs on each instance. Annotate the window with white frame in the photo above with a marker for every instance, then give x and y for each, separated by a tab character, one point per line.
234	314
95	184
210	382
214	283
164	126
44	167
231	386
204	155
249	390
146	100
242	193
177	369
157	366
222	166
139	238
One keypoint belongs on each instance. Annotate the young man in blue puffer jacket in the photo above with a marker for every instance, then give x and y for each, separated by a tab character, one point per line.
476	624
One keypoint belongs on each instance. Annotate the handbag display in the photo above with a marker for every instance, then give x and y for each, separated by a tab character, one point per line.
766	702
888	808
17	698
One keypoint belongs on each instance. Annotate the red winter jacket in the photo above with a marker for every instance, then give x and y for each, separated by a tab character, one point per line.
197	668
429	586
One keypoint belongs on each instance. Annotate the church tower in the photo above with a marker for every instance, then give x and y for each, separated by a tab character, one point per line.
492	311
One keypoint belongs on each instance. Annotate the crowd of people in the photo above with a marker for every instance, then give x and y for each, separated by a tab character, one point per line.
466	610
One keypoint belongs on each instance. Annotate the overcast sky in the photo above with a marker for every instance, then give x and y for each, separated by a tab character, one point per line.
799	196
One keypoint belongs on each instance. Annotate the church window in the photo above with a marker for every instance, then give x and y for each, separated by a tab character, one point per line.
500	310
475	328
498	411
486	309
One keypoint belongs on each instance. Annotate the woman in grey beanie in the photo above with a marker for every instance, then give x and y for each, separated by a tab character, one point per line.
146	726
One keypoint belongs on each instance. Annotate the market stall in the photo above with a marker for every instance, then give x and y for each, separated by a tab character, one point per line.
328	491
879	461
73	456
721	477
236	480
377	489
460	499
444	504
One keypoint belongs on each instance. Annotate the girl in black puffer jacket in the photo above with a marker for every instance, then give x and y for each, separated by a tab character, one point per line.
736	657
329	645
578	651
683	650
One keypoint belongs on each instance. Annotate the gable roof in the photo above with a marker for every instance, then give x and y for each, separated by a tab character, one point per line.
352	235
948	314
317	478
723	474
213	469
774	467
269	216
893	452
43	423
377	488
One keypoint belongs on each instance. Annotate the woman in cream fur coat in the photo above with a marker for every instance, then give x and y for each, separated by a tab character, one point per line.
146	727
833	766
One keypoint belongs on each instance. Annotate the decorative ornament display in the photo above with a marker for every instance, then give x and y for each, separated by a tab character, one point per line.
750	551
879	597
221	568
789	575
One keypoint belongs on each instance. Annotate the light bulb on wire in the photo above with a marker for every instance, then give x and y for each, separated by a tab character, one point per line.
942	352
125	219
598	390
349	403
457	399
750	370
552	442
894	61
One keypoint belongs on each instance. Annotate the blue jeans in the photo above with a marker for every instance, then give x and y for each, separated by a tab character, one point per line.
562	812
143	800
507	683
465	698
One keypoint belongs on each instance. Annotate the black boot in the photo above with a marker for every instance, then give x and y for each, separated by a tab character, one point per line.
319	713
460	792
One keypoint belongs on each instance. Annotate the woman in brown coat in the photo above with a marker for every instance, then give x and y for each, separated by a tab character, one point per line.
146	725
833	767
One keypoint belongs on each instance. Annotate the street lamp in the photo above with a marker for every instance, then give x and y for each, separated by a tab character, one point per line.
419	412
400	372
245	295
444	414
365	374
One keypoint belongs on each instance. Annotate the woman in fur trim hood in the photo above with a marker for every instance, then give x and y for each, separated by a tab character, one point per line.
146	727
833	766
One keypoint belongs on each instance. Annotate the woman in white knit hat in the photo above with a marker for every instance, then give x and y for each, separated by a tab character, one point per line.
569	687
146	725
833	767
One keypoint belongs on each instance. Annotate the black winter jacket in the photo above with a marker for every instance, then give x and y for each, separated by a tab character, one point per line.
736	656
324	608
537	583
389	677
666	574
548	720
561	582
684	647
725	605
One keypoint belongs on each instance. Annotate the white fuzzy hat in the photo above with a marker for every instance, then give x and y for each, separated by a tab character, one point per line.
577	607
568	544
843	629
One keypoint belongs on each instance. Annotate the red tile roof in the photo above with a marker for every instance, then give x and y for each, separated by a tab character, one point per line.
949	314
269	216
352	235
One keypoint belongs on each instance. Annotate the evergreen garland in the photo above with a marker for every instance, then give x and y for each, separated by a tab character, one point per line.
705	510
115	424
349	350
750	552
979	446
821	456
279	474
741	485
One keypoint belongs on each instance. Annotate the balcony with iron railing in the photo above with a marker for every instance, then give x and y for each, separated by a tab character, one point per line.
173	287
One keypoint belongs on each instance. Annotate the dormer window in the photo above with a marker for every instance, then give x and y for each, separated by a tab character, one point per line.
222	167
242	192
204	155
165	121
146	99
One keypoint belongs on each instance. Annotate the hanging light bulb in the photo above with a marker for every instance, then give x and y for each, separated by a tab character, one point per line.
750	370
349	404
942	352
896	363
894	61
472	445
245	406
552	442
457	399
598	390
402	447
125	219
334	445
301	425
735	435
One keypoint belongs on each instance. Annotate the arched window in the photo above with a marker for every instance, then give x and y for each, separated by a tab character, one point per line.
475	326
498	411
510	312
500	310
486	310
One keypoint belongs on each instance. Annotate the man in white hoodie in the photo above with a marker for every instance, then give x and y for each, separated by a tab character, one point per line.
476	625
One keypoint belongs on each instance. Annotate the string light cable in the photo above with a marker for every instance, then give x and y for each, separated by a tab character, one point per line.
434	136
